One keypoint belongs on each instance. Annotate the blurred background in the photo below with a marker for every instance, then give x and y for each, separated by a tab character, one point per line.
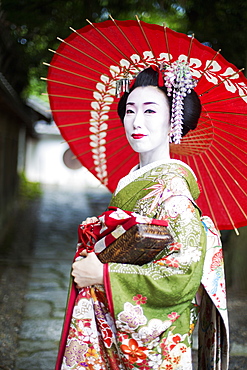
44	194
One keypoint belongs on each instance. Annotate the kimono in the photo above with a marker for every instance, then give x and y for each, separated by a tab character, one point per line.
144	316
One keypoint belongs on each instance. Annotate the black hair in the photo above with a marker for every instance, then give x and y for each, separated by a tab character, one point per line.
192	104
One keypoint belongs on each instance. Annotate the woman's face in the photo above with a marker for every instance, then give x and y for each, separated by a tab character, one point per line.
147	119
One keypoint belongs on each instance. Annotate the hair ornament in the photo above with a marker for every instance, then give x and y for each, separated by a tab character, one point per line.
122	85
179	82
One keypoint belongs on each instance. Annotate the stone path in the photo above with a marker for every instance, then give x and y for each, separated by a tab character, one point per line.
35	278
59	215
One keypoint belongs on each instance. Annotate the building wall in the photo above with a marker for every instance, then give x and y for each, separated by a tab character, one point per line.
9	136
44	164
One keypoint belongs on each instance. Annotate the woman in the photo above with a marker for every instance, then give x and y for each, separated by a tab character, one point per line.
142	317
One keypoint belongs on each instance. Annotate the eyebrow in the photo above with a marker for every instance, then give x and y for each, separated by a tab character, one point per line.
146	103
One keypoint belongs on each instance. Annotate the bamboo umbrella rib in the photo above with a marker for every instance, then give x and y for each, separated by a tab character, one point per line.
110	129
211	61
222	81
80	98
86	123
90	150
205	193
219	195
70	72
145	37
78	110
190	144
68	97
167	43
86	136
233	154
195	140
115	139
75	61
92	44
77	138
200	132
224	100
229	123
106	130
84	53
197	136
225	183
118	150
108	40
67	84
230	113
86	152
232	135
198	147
190	47
229	173
121	163
126	38
230	143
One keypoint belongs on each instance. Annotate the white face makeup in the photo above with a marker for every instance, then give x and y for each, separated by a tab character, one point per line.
147	122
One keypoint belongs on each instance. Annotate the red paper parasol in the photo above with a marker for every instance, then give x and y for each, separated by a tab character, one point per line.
81	86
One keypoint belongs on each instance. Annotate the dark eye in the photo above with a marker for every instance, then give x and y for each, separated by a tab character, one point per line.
129	111
149	111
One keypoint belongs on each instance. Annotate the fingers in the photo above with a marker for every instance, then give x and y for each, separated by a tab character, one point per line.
88	271
90	220
84	253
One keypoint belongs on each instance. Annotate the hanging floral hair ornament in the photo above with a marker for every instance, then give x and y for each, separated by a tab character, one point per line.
179	83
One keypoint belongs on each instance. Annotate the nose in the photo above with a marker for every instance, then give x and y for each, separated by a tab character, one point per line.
138	120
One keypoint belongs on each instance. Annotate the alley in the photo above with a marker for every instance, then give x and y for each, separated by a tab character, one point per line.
35	276
50	229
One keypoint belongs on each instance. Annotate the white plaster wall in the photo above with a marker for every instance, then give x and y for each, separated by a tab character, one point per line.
44	164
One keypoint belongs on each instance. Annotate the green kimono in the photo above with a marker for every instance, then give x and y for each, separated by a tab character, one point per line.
144	316
154	304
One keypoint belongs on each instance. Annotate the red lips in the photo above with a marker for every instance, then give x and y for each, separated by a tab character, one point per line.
138	136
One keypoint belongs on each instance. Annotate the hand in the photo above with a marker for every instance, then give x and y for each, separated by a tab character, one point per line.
90	220
88	271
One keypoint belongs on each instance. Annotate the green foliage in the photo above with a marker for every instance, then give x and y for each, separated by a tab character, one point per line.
36	86
28	190
222	23
35	24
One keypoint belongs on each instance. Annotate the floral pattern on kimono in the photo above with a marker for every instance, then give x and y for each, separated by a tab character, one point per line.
213	330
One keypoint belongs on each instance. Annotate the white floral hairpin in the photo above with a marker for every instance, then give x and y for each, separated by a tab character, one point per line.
179	82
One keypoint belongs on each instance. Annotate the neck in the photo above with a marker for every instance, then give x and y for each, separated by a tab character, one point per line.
150	157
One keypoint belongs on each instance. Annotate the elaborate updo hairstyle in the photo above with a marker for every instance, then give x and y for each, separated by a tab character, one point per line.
192	104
